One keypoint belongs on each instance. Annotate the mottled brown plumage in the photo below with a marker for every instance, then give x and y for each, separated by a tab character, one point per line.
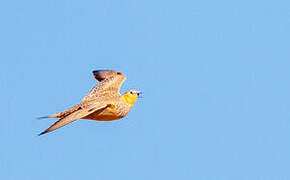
103	103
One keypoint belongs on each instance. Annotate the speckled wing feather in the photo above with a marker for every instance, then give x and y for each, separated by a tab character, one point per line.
109	84
101	75
82	110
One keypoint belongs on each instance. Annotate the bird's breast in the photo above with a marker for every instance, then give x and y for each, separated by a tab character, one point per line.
107	114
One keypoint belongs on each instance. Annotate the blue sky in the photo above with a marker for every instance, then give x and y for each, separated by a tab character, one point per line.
215	77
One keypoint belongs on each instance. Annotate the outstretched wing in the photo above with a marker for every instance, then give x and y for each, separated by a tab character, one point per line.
82	111
110	84
101	75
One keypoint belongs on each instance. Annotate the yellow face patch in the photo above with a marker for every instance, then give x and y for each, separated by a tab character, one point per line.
129	98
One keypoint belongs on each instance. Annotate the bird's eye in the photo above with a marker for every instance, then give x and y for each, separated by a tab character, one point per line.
119	73
131	92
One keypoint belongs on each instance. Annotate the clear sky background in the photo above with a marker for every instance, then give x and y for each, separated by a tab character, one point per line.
215	78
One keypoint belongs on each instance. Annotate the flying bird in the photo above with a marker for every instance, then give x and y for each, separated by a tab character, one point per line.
103	103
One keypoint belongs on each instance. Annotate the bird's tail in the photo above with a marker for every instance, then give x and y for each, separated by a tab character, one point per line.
62	114
57	115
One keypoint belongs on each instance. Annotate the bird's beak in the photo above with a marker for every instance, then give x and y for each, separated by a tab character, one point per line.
139	93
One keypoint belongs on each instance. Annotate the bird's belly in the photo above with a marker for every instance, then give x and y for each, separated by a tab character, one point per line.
107	114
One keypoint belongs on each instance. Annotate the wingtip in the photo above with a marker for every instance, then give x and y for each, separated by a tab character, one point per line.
44	132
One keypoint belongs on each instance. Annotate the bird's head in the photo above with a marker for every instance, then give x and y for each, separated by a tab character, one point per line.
131	96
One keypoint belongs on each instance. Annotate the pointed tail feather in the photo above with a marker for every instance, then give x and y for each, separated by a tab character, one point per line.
43	117
68	119
57	115
77	114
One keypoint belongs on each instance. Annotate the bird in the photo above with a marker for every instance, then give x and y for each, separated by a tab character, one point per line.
103	102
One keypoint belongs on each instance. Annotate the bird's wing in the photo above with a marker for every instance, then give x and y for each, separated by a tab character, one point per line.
82	111
110	84
101	75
